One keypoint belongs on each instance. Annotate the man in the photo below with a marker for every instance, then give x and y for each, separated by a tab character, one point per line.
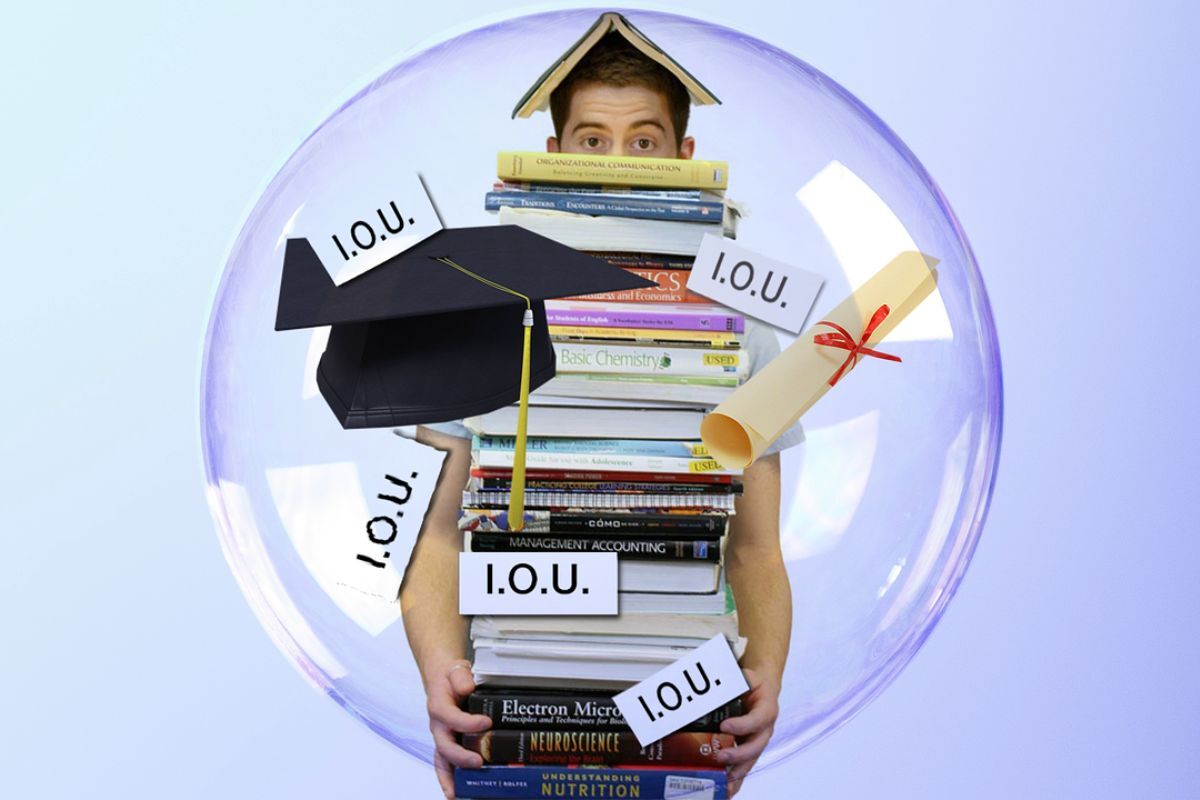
617	102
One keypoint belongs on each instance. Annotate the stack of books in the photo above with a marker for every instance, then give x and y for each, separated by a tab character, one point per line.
613	464
660	505
563	744
649	216
686	354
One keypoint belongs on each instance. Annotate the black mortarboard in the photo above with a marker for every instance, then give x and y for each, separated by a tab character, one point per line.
418	339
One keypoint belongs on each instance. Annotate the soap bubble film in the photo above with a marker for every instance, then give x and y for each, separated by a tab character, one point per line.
882	504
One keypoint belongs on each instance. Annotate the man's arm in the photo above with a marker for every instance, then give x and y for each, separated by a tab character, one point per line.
437	633
755	569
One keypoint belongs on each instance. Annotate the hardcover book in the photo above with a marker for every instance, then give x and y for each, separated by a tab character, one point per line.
679	525
514	709
638	547
523	783
596	747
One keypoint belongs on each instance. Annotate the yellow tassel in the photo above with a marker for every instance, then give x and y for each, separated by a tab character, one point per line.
516	500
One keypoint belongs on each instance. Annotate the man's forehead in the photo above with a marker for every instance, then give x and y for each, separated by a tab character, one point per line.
600	104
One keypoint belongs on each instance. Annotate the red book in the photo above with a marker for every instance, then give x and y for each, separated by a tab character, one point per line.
670	287
596	748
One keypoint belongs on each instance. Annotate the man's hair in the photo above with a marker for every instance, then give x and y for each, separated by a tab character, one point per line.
615	62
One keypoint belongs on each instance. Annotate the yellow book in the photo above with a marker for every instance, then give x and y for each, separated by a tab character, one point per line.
711	338
585	168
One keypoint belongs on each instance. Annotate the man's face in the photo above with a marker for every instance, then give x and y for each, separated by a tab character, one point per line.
619	121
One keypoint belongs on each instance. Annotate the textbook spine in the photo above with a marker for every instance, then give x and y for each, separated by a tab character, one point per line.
613	205
596	748
633	547
653	783
614	523
663	173
519	709
656	319
635	359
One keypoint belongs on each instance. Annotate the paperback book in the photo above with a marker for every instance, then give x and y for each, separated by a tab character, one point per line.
628	447
670	286
585	168
635	359
584	232
479	484
647	261
601	462
712	476
593	422
710	318
689	389
645	502
672	338
611	205
625	191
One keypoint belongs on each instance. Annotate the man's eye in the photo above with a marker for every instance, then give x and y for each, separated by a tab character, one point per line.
643	144
591	141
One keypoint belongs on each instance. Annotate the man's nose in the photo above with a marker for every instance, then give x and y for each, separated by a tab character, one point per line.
617	149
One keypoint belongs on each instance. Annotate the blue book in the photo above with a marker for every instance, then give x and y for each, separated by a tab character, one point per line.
579	188
663	448
610	205
647	784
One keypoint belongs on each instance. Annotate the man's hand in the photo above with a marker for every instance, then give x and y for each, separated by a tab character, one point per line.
445	689
753	729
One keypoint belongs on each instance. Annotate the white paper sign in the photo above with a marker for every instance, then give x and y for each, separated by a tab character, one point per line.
537	583
364	218
754	284
703	680
354	524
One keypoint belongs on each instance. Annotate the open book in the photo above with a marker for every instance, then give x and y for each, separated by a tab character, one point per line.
537	98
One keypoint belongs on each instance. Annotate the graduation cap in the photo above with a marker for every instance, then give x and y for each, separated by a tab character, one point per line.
452	327
537	98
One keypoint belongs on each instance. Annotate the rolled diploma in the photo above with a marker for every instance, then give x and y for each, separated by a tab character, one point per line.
760	410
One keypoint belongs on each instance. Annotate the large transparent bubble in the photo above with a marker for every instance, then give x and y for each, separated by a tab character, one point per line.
882	505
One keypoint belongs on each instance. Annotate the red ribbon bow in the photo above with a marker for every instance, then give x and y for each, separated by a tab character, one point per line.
844	341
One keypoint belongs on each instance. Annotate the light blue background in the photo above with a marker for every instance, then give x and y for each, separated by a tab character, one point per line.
135	139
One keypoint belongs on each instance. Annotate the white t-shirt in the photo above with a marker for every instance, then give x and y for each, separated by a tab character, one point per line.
761	346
